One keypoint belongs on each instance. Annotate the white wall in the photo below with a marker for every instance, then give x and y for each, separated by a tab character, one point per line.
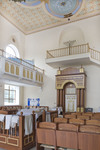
34	46
93	86
38	43
7	33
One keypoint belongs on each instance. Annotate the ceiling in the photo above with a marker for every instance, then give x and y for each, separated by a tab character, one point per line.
36	15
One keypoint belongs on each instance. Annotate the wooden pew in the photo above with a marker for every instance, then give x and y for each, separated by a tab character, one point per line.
17	140
67	135
10	109
84	117
46	135
70	116
87	114
77	121
60	120
93	122
89	137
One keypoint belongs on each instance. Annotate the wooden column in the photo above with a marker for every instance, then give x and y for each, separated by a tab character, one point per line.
82	100
61	97
34	131
58	98
21	130
63	106
78	100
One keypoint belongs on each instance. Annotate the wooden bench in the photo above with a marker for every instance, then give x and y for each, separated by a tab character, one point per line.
46	135
89	137
67	135
10	109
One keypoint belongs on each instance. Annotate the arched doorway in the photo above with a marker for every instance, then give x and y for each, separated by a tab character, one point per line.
70	97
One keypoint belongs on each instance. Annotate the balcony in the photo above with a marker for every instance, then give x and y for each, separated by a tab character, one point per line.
75	55
19	71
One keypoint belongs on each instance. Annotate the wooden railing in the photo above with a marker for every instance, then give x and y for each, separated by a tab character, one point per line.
74	50
94	54
79	49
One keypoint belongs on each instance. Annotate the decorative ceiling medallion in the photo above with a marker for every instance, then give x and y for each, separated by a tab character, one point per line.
58	8
31	2
63	8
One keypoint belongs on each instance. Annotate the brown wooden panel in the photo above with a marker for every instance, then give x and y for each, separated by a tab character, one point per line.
63	105
84	117
95	117
67	127
76	113
60	120
61	97
67	139
53	115
78	97
70	116
12	141
89	141
46	136
93	122
2	139
28	140
90	129
82	97
47	125
77	121
87	114
58	98
70	70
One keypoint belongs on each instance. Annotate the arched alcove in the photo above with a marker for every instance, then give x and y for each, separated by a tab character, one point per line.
72	33
70	97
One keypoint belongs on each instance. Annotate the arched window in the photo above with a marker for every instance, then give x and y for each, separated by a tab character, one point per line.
11	92
12	51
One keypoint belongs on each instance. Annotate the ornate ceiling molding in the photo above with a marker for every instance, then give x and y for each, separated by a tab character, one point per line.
35	18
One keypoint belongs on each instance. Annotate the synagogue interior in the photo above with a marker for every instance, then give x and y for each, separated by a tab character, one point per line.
49	74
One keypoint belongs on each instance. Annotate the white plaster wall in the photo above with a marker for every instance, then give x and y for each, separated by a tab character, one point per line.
7	32
93	86
34	46
38	43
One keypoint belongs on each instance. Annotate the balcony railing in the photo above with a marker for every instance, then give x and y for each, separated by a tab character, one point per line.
94	54
74	50
79	49
16	67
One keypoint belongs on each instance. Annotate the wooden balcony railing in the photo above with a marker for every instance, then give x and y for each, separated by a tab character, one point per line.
79	49
94	54
74	50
